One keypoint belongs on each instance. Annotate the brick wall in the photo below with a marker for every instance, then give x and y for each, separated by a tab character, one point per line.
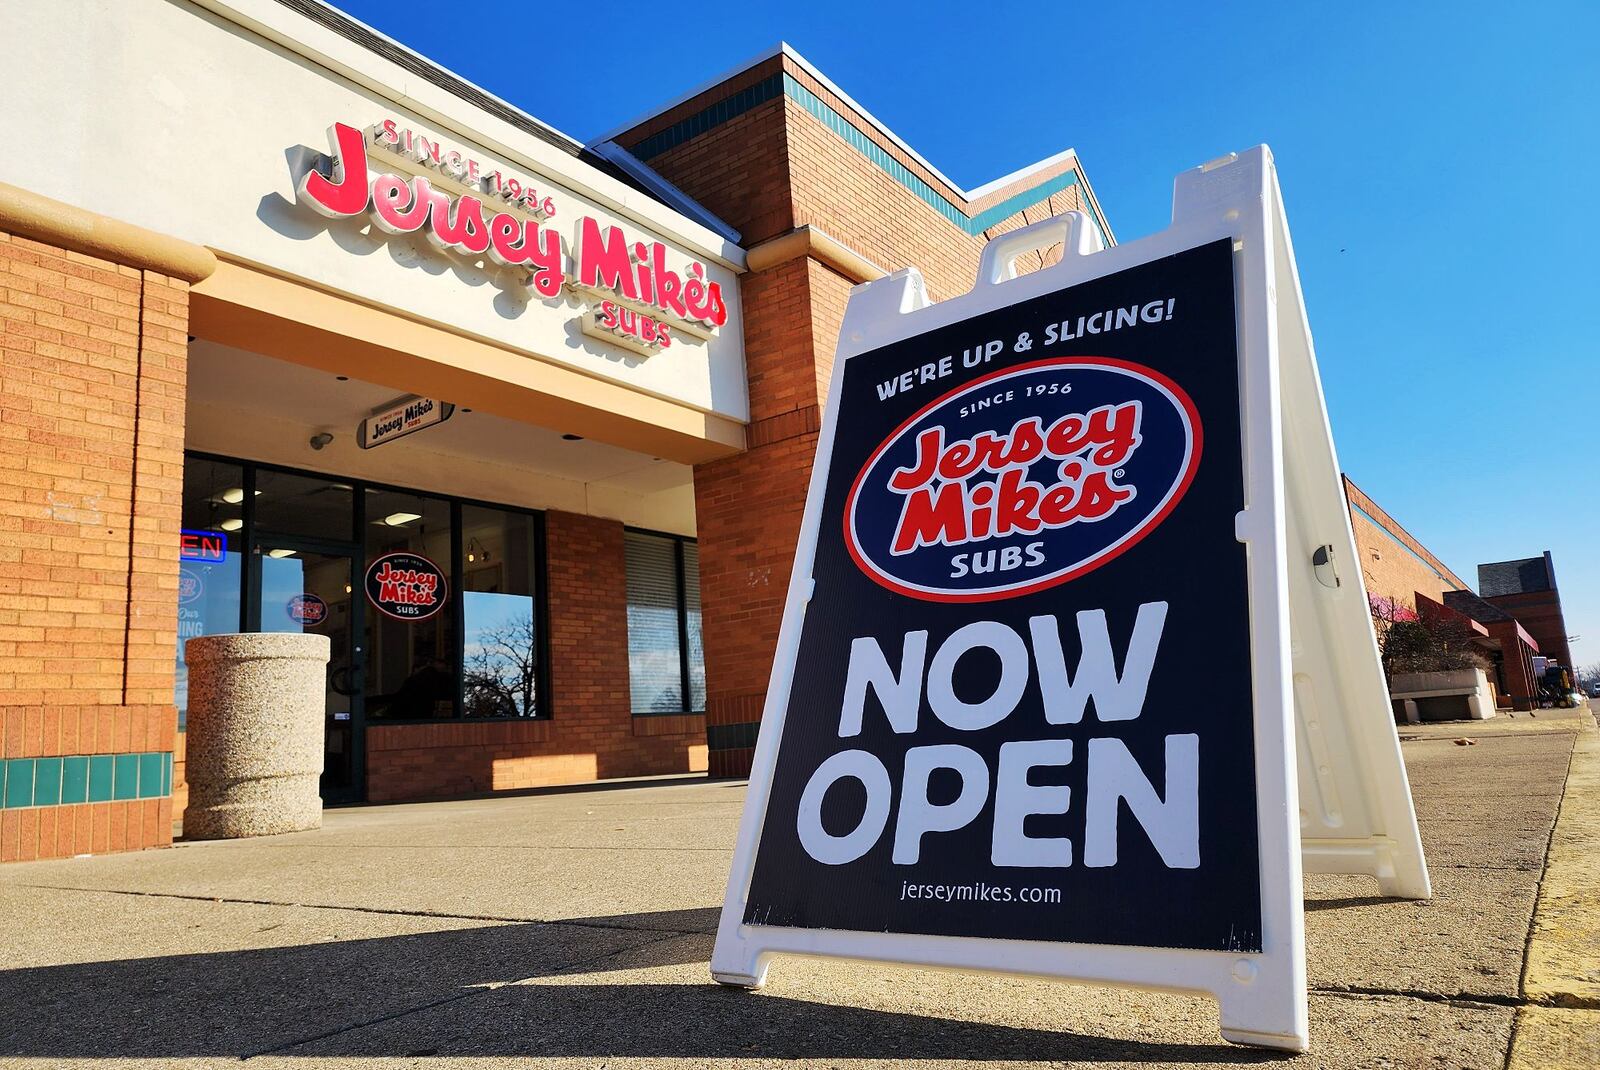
738	168
91	465
1540	613
180	785
591	734
773	166
839	190
1394	564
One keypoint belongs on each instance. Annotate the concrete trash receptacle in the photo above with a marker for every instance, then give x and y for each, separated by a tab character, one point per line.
255	734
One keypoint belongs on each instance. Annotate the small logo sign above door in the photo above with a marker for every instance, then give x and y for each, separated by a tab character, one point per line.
401	418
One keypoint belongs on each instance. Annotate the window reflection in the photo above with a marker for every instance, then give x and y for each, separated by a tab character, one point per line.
500	659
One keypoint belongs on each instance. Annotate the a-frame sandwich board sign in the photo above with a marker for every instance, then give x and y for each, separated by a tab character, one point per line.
1073	549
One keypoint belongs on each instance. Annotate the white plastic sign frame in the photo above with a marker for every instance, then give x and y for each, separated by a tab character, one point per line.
1262	995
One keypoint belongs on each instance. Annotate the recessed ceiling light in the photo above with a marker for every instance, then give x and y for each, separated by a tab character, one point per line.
280	553
395	520
233	524
570	437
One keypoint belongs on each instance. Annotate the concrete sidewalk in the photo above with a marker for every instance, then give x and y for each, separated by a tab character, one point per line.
573	929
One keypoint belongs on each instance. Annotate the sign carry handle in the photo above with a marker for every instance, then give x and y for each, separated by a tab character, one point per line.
1075	232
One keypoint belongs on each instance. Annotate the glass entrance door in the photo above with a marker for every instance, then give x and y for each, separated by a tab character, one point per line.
310	586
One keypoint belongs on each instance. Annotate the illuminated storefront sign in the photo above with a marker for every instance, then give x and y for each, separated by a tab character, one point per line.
641	302
209	546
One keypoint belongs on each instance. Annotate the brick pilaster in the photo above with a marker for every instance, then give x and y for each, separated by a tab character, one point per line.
91	411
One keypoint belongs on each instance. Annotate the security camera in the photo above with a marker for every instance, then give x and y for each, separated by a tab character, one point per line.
320	439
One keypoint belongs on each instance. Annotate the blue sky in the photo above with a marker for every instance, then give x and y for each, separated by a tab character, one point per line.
1438	162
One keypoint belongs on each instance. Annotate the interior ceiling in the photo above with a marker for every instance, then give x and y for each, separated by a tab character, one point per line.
238	379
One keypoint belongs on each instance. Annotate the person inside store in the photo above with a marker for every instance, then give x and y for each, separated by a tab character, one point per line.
428	691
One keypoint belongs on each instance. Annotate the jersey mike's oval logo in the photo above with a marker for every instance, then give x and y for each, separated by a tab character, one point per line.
1028	477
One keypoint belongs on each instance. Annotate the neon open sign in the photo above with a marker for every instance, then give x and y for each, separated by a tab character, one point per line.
209	546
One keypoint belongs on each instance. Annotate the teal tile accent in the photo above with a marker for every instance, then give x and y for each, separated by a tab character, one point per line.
74	780
126	782
150	770
47	782
900	173
84	778
730	107
19	782
1016	203
723	110
100	777
871	150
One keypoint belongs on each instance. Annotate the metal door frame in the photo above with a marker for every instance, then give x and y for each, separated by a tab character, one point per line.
354	553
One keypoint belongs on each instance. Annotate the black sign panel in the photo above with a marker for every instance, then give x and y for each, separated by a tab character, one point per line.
406	585
1021	703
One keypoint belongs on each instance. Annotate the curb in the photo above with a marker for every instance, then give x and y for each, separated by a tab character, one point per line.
1559	1027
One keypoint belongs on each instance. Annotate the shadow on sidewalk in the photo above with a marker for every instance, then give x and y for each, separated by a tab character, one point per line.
434	994
1345	902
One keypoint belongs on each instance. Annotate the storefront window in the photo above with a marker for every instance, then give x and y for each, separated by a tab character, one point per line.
450	625
209	560
666	664
411	641
500	652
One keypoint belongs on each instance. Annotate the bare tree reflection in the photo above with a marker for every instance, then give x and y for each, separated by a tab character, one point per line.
500	671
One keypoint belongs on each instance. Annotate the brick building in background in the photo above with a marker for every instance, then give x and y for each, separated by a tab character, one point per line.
1406	581
1395	566
186	365
1526	589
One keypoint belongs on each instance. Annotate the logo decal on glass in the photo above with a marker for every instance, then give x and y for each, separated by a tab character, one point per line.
307	609
406	585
